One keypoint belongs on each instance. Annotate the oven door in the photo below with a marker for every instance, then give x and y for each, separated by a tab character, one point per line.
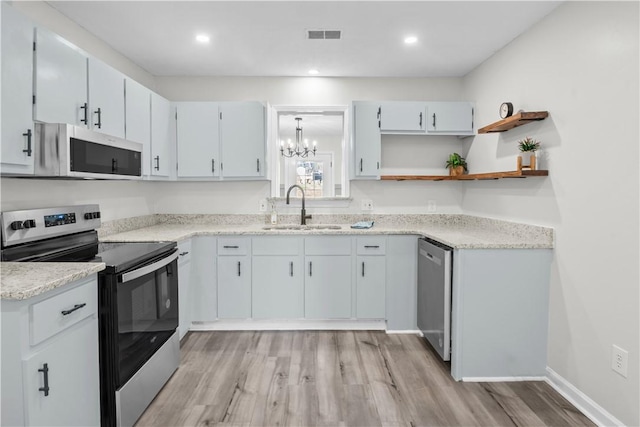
147	312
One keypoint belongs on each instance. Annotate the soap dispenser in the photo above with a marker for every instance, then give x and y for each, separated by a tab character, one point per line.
274	214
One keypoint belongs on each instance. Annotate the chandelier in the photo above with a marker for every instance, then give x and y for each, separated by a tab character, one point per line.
300	149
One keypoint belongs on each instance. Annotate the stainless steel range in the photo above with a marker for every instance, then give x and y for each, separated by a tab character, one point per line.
137	297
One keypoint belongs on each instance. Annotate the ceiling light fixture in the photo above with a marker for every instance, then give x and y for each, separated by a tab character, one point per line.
298	150
411	40
314	72
202	38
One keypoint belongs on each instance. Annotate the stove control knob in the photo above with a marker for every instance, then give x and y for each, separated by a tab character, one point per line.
30	223
88	215
16	225
96	214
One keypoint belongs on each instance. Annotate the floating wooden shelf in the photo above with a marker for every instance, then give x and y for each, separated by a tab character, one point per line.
514	121
470	177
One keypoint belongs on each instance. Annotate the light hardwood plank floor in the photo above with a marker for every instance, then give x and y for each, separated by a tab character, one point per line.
338	378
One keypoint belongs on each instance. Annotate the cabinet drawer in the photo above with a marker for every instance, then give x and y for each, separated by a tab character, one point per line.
327	245
374	245
275	245
234	246
184	251
48	317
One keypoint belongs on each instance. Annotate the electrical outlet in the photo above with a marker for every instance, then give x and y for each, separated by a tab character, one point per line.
619	359
431	205
367	204
263	205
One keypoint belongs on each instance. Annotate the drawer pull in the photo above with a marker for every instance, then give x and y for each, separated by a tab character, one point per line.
230	247
45	373
184	253
71	310
372	246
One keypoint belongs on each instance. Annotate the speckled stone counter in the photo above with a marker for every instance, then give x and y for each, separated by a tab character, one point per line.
457	231
22	280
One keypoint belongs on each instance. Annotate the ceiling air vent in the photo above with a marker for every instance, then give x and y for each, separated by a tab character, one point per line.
324	34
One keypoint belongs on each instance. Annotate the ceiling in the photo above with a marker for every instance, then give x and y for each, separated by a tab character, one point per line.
268	38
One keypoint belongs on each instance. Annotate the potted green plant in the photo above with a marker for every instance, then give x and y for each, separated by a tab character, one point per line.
457	164
527	158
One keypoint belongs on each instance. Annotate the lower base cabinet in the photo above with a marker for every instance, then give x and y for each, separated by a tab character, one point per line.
234	287
277	290
50	371
370	287
327	287
184	288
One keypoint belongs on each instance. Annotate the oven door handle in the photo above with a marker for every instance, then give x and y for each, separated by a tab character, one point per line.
132	275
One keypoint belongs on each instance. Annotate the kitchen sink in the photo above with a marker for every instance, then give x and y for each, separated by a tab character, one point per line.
302	227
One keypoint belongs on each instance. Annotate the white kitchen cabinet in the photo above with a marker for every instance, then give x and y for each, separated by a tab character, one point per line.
277	287
184	287
198	144
401	282
234	278
106	98
17	142
203	283
327	287
60	81
403	116
450	117
243	139
161	159
138	119
366	139
370	277
43	347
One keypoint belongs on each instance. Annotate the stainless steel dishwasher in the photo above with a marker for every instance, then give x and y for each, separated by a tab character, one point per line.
434	295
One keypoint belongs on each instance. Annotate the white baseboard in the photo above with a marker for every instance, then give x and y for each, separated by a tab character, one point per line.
288	325
581	401
407	332
500	379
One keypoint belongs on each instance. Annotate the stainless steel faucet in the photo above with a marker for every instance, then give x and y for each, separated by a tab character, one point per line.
303	214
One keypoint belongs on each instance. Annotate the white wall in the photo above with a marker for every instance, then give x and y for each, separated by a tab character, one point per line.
580	64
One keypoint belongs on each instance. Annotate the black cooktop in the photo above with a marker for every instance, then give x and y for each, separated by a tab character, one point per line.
122	256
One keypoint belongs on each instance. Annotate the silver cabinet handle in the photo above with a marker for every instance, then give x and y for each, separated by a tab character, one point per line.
213	166
231	247
258	165
99	113
362	268
420	120
84	107
371	246
360	164
434	120
238	268
310	268
45	373
28	134
291	268
75	308
157	166
126	277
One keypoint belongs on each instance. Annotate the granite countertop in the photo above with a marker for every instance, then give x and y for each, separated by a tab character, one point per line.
22	280
458	237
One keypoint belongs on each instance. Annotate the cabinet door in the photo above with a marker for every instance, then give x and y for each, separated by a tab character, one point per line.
367	139
327	287
449	117
370	287
197	138
403	117
61	81
234	287
138	119
160	136
17	91
73	379
277	287
204	303
106	98
184	289
242	137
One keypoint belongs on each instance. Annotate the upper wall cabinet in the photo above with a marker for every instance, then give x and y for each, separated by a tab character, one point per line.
367	138
450	118
106	98
403	117
17	91
160	136
138	119
197	139
242	134
60	81
220	140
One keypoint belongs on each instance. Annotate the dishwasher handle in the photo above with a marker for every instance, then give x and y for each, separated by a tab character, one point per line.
430	257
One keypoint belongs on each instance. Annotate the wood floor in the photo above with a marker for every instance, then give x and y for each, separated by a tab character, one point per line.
338	378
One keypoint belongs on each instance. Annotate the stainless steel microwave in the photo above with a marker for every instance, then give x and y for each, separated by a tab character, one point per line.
67	151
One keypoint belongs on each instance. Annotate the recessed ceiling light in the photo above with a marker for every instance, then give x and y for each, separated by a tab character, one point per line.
314	72
411	40
202	38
